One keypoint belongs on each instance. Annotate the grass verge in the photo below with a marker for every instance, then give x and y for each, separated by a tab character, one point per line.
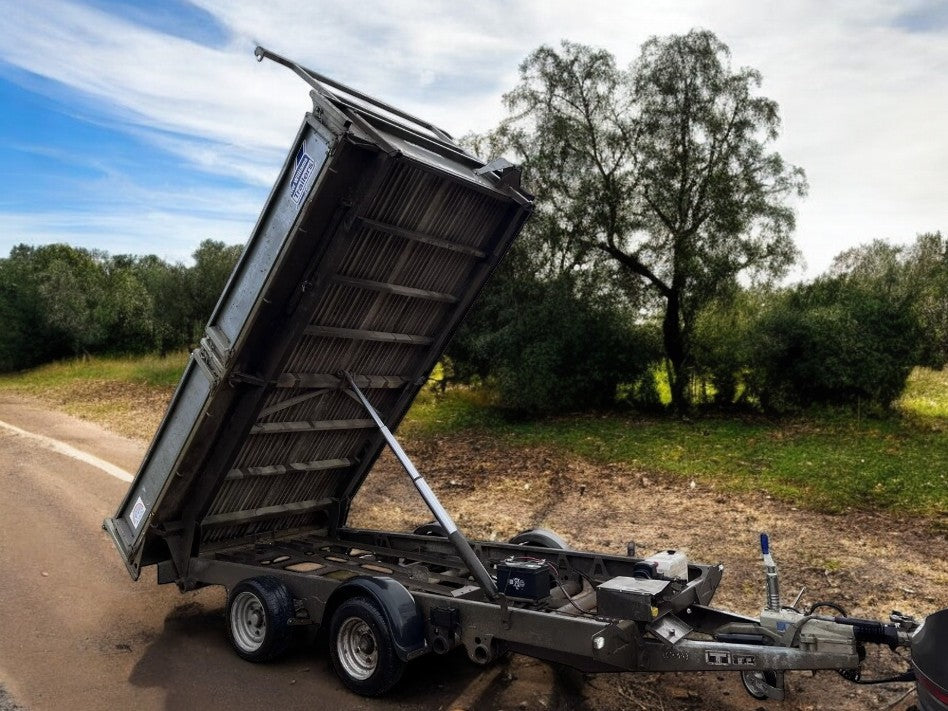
152	370
829	461
128	395
926	394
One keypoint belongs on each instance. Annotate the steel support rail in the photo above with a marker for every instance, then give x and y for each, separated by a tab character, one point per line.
441	515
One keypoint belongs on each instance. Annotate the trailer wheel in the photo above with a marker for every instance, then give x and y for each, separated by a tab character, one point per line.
258	615
435	530
541	538
361	647
756	683
430	529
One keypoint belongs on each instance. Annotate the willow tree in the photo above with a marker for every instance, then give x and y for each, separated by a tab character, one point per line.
665	169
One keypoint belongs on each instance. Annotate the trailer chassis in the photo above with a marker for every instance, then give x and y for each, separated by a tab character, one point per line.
685	635
436	592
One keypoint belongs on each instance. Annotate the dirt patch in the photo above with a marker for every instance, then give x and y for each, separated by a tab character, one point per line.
869	563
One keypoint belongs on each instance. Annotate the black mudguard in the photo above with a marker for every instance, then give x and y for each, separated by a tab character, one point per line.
405	620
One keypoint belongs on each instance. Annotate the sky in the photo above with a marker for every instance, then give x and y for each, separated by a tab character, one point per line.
146	127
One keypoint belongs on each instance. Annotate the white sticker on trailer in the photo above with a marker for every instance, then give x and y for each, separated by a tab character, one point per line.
138	510
301	176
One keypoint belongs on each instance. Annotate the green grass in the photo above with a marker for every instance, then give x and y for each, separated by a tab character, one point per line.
824	460
926	393
149	370
829	460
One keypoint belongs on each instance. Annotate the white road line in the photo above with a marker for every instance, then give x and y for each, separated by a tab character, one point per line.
70	451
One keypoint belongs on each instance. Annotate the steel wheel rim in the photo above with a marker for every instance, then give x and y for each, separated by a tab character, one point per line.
357	648
248	621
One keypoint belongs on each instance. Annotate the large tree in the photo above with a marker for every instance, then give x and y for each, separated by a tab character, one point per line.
666	170
213	263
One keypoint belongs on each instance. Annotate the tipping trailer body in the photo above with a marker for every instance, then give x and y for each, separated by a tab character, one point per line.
376	238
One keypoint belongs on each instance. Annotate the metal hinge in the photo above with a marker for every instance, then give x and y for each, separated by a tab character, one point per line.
213	353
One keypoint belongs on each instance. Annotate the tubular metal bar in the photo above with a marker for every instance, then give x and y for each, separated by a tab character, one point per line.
431	500
315	79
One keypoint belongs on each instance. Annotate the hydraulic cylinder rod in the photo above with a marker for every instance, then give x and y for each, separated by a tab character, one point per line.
460	543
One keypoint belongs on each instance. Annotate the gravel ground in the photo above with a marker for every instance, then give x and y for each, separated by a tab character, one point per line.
7	702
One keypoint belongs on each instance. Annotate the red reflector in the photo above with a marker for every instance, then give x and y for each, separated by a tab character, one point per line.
930	686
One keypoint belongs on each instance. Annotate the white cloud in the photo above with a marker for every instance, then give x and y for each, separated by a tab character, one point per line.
862	98
121	216
173	236
147	79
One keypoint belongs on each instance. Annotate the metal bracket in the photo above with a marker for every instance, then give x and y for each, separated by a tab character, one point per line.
238	377
213	354
669	629
180	541
504	612
208	362
504	171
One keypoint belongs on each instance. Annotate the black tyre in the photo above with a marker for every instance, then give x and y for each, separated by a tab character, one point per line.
436	530
258	615
541	538
361	648
430	529
757	682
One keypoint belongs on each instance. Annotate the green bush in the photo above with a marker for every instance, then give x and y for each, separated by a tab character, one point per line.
722	343
927	278
834	341
58	301
26	337
550	351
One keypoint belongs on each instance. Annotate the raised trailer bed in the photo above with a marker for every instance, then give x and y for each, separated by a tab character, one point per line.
377	236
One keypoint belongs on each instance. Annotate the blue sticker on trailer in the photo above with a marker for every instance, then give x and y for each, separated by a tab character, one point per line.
304	169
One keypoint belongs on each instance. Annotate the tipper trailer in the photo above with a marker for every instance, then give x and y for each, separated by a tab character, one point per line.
376	238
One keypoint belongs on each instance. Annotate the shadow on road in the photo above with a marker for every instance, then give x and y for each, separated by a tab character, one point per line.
191	660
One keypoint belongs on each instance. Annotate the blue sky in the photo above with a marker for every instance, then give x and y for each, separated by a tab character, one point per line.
147	127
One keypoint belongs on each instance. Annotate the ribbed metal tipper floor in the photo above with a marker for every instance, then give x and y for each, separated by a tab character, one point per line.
394	293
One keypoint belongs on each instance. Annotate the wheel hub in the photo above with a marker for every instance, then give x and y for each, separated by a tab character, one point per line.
248	622
367	644
357	648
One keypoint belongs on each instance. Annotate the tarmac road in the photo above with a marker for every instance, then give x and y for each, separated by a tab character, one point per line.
77	633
